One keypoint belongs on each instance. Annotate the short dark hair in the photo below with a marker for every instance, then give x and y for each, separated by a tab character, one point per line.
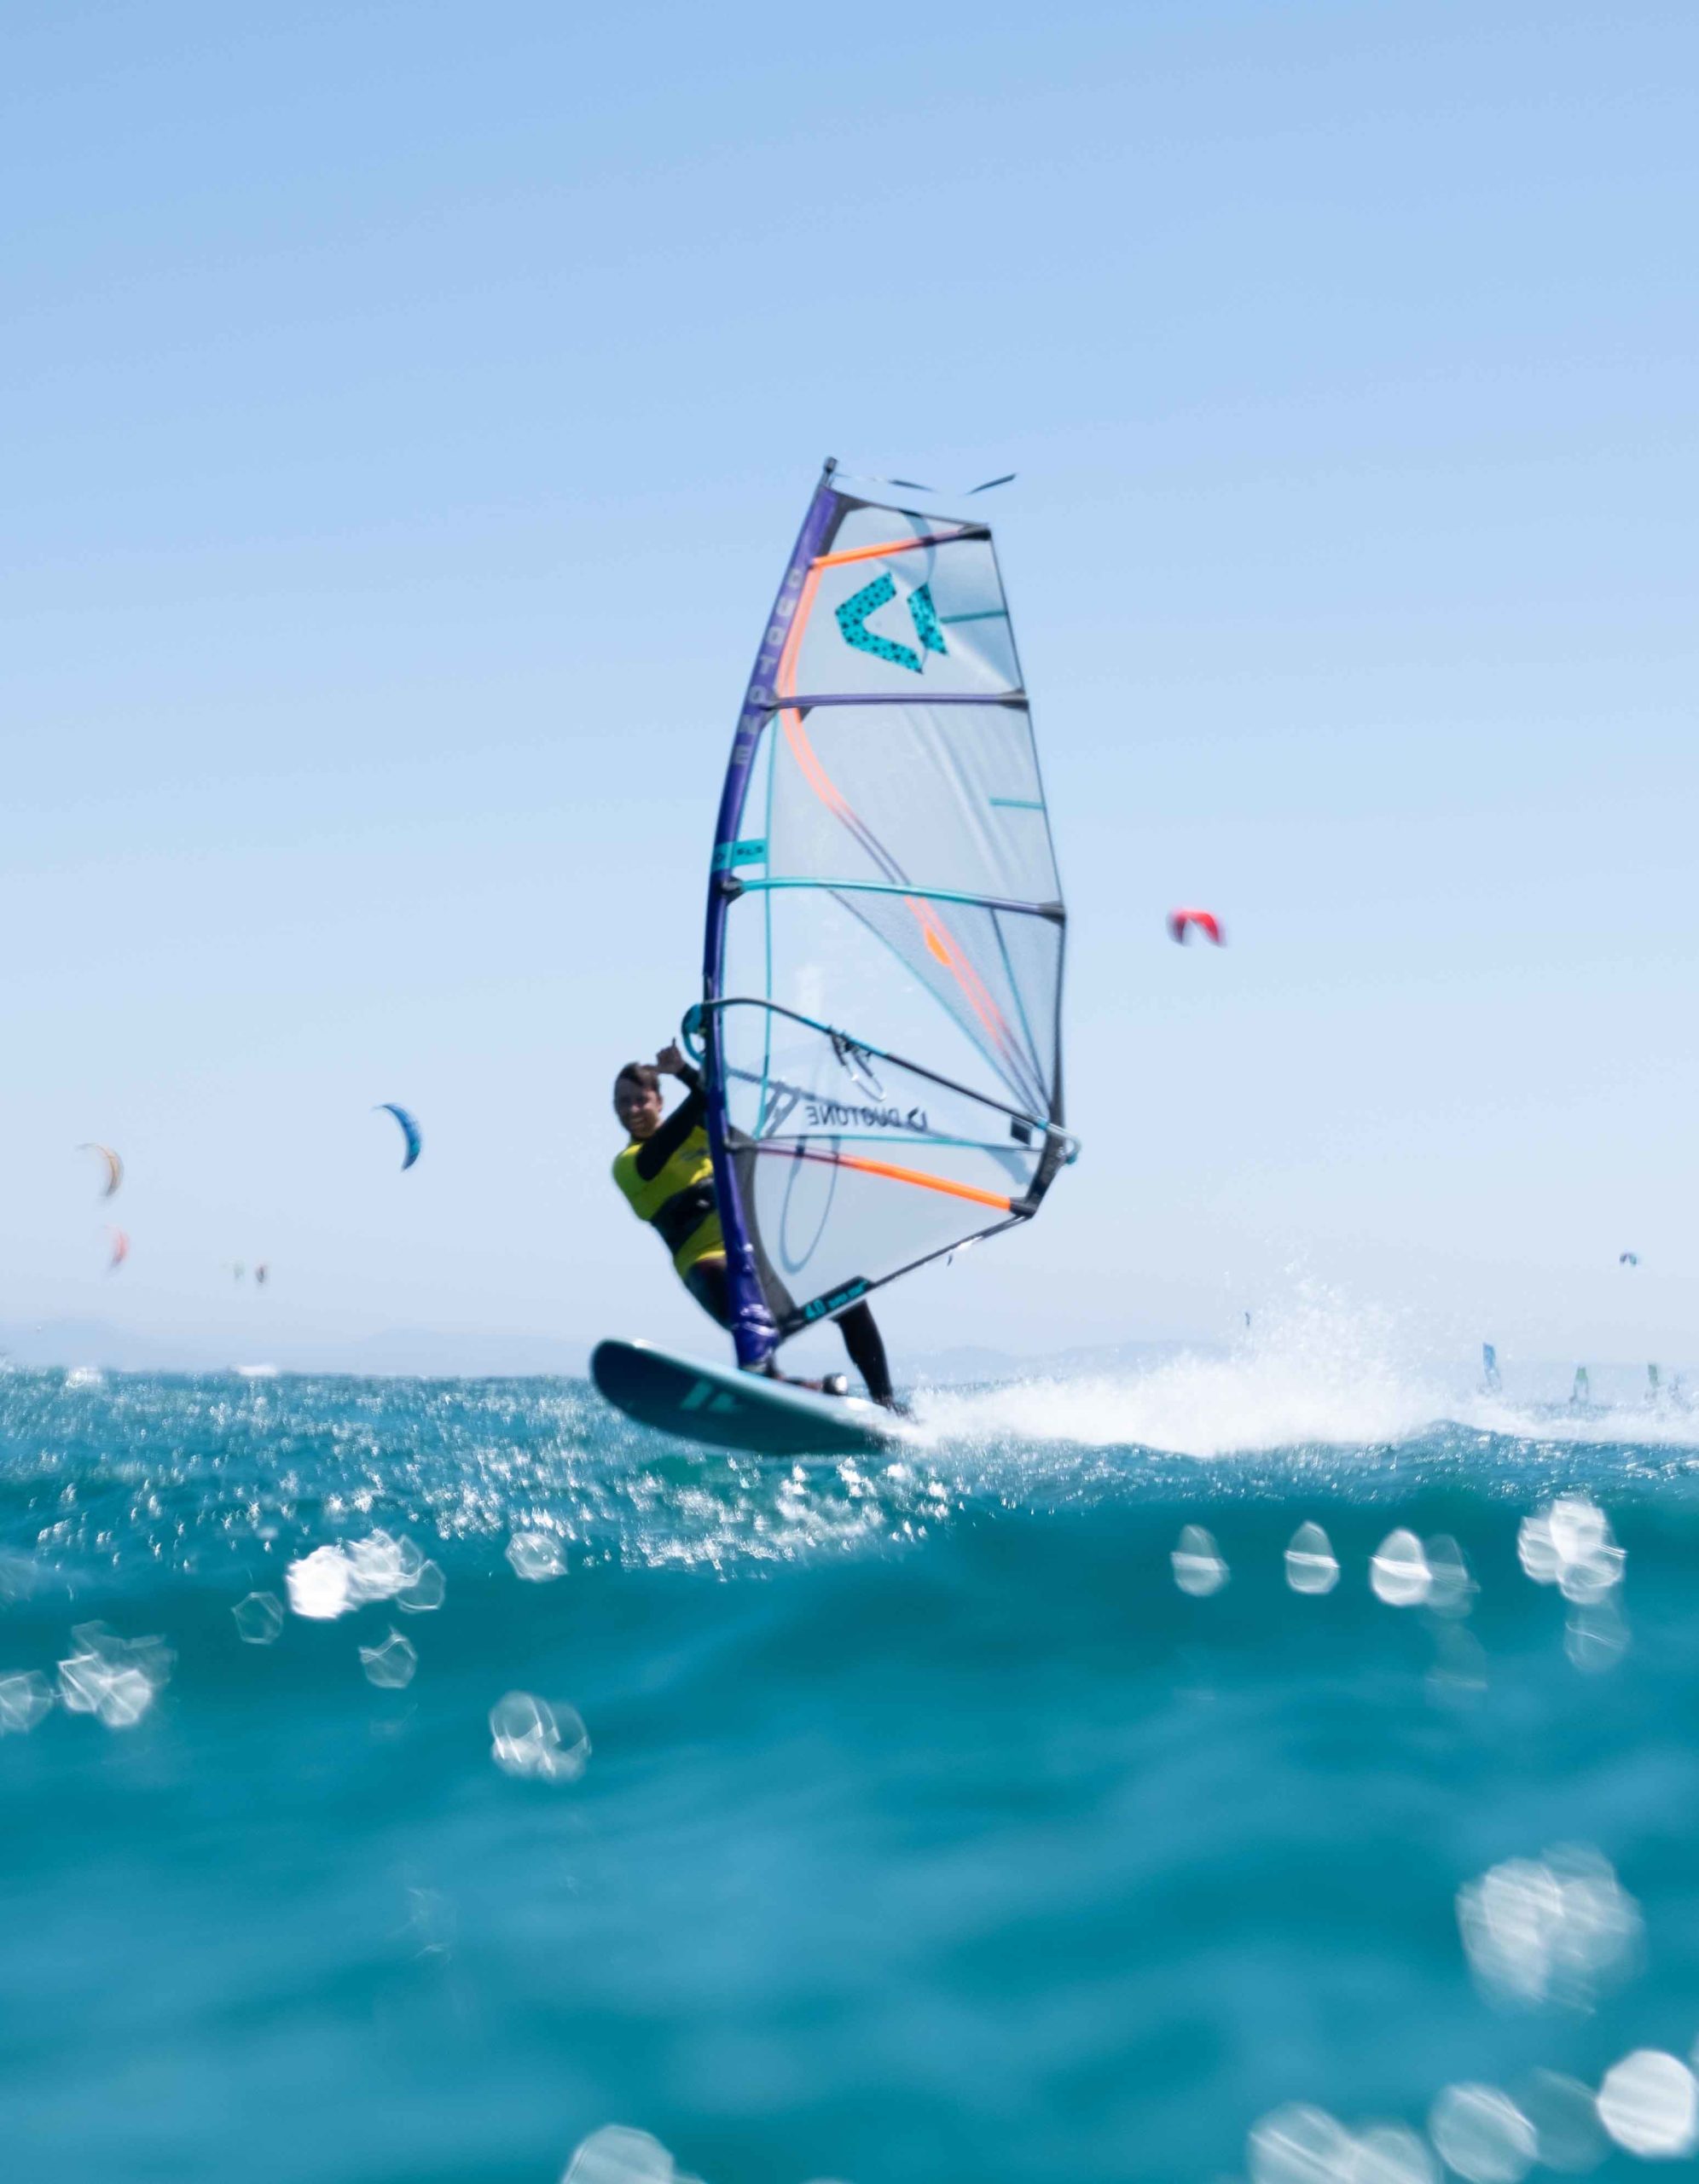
639	1072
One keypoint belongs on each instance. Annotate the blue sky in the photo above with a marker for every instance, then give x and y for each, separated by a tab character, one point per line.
406	413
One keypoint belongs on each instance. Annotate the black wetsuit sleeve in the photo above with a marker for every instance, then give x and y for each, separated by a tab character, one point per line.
656	1150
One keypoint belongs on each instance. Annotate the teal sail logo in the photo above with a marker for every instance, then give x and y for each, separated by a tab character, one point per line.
852	621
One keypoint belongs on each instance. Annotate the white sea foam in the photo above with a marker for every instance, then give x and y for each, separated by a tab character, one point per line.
1318	1371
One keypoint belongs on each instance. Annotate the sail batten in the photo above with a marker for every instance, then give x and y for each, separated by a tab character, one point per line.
882	886
803	705
1053	911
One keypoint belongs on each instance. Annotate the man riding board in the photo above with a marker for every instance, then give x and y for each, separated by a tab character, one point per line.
667	1177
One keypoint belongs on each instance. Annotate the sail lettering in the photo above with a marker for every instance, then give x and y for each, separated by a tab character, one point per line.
843	1114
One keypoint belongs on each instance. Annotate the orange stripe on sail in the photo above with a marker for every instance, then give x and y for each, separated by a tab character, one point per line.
890	546
785	683
785	679
943	947
915	1175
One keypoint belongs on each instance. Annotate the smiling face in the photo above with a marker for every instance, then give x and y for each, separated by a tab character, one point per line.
637	1105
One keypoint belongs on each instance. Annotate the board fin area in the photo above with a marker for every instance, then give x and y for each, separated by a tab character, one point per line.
724	1409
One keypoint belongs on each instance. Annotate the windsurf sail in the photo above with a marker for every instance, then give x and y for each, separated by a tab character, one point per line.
882	974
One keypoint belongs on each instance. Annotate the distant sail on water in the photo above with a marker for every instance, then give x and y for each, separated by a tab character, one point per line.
883	966
1489	1368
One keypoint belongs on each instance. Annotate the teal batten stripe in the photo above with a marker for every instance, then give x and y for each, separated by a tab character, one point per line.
985	615
1017	803
892	887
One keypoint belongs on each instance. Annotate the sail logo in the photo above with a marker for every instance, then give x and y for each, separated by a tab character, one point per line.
852	621
836	1299
840	1114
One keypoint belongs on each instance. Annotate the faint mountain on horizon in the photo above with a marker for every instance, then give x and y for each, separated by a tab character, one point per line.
966	1362
429	1353
441	1353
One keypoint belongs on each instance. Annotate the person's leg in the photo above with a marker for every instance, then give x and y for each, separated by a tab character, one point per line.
866	1350
710	1285
706	1282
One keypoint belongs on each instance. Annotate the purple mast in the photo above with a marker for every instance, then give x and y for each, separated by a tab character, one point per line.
752	1329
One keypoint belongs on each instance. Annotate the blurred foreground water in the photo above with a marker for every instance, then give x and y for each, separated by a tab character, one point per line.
418	1781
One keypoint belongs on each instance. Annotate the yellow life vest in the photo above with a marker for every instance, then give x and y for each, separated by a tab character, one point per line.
678	1201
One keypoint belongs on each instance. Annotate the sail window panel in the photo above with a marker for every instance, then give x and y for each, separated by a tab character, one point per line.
810	953
922	617
1029	953
932	982
934	796
789	1083
820	1224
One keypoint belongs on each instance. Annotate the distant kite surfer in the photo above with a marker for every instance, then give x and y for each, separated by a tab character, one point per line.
667	1176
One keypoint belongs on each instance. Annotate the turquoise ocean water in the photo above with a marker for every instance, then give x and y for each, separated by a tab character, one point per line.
411	1782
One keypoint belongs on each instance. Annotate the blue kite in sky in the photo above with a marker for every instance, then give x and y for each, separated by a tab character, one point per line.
409	1130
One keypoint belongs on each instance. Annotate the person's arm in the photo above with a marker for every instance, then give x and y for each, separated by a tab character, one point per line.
655	1152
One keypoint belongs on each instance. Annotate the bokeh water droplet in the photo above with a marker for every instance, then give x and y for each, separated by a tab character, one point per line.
1648	2102
336	1579
1398	1572
1568	2137
617	2154
259	1619
1392	2153
25	1697
115	1679
1596	1637
1298	2145
1552	1929
536	1557
427	1591
319	1584
1198	1568
1451	1589
1312	1566
530	1737
1481	2133
1568	1543
391	1665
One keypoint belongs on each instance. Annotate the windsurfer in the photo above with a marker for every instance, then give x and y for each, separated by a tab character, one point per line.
667	1176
